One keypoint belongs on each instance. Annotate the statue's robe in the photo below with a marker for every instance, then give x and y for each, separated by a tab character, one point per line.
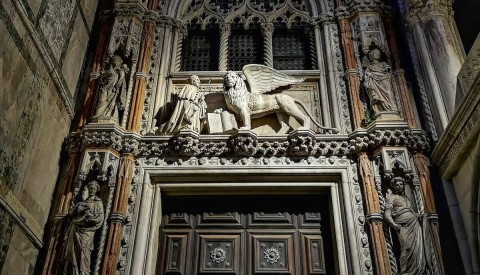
189	111
81	236
379	87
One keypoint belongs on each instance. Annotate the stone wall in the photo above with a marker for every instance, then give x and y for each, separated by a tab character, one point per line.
42	52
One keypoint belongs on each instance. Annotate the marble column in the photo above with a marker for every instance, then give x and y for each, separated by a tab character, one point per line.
374	215
116	219
351	72
439	49
267	32
134	116
223	54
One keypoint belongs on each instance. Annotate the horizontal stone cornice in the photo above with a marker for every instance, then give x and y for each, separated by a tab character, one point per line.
299	143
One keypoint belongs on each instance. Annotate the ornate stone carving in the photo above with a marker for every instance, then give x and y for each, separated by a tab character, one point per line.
87	216
414	258
244	143
189	111
186	143
302	142
422	10
378	83
249	103
112	90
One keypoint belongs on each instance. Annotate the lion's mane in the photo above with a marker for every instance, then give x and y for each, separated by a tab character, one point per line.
237	94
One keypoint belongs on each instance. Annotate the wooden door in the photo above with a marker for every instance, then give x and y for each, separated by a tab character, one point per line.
246	235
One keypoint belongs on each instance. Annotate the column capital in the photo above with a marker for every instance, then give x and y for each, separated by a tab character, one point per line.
225	28
423	10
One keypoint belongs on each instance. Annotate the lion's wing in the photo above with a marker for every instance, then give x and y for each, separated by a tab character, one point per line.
263	79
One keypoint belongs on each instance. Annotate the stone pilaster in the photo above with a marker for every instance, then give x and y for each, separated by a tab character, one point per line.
116	219
374	215
351	73
138	95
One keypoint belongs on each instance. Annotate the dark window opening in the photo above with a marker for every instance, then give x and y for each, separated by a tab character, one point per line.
290	49
245	47
200	51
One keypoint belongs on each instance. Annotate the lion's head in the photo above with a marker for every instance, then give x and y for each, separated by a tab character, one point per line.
233	80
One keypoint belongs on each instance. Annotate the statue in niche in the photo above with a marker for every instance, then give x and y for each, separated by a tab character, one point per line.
248	102
378	83
189	111
400	215
112	89
87	217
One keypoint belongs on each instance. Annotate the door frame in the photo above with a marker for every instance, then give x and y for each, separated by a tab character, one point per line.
337	179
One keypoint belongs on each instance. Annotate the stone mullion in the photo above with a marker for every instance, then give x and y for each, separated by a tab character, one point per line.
143	64
421	165
178	55
351	74
312	32
399	74
116	219
223	54
374	215
267	32
54	242
87	109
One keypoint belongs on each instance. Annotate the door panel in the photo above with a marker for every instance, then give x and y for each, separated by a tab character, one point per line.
242	236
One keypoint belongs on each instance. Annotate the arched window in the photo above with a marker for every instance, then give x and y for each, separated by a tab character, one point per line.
246	35
200	49
244	46
290	47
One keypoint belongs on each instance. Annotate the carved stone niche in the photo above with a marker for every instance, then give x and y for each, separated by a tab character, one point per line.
90	206
112	90
406	228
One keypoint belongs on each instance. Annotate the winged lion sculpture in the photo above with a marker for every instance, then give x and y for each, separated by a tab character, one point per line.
248	102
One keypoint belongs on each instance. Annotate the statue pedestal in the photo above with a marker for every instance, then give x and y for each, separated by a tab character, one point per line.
104	120
389	116
187	133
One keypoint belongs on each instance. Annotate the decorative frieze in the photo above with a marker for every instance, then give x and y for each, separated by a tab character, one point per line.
247	143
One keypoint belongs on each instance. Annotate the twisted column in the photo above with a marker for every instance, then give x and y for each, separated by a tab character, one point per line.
178	55
267	32
312	46
225	31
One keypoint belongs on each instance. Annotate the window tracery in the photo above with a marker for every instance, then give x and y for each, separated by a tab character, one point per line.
273	33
